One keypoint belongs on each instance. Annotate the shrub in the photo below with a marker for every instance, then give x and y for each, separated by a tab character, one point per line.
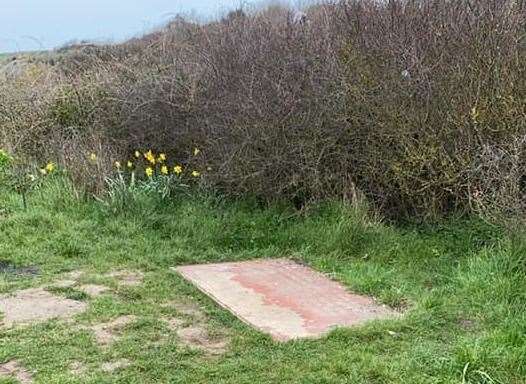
419	106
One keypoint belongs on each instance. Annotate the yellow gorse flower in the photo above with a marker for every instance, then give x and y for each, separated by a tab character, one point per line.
93	157
178	169
149	171
164	170
195	174
50	167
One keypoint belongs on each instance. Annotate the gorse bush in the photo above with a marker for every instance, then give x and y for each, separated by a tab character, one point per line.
418	106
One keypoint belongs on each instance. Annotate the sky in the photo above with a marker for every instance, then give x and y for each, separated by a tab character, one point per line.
28	25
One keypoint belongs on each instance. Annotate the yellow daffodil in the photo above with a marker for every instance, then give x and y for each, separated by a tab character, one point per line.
162	158
164	170
475	114
118	164
149	171
195	174
43	171
178	169
196	151
93	157
150	157
50	167
129	164
137	154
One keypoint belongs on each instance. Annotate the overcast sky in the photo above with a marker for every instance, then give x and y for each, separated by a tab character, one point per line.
43	24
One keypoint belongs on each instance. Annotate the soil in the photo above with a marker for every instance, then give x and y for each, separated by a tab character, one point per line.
93	290
127	278
36	305
108	333
77	368
13	369
198	337
115	365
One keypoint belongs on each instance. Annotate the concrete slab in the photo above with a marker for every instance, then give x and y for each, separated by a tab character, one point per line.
283	298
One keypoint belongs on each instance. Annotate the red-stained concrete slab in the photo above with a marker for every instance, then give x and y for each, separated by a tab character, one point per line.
283	298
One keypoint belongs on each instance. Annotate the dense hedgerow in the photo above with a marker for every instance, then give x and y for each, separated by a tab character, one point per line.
419	106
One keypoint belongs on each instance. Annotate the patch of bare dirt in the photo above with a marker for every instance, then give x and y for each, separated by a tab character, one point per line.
93	290
127	278
35	305
174	323
189	309
107	333
13	369
77	368
112	366
198	337
74	275
64	283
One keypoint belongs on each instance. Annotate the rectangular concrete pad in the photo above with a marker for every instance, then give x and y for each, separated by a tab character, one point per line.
283	298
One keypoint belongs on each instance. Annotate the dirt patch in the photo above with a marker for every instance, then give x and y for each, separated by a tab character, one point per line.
35	305
112	366
189	309
127	278
77	368
63	283
107	333
198	337
93	290
467	324
74	275
174	323
13	369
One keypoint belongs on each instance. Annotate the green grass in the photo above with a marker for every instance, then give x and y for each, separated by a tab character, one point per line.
461	284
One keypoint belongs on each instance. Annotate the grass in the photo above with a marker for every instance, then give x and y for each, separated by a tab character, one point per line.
461	284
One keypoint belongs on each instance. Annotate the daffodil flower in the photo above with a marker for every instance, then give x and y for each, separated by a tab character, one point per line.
178	169
164	170
150	157
118	164
129	164
137	154
196	151
162	158
195	174
149	171
93	157
50	167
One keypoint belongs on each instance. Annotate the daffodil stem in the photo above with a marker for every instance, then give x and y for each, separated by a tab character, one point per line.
24	200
